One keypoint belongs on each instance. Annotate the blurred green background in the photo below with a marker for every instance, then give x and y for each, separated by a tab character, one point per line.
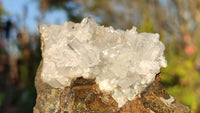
177	22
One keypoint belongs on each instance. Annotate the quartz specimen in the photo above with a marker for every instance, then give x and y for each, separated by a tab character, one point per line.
122	63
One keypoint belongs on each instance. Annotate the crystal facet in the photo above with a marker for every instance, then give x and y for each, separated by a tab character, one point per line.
122	62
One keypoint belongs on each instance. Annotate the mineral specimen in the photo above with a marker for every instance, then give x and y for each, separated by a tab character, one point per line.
122	63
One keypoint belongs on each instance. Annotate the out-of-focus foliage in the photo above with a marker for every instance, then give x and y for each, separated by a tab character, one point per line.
66	5
19	60
181	77
177	22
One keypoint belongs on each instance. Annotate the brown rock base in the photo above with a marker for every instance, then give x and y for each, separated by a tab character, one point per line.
84	96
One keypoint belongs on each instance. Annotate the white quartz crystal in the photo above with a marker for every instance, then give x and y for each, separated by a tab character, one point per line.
122	62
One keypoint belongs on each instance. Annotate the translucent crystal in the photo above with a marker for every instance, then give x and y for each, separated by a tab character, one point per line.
122	62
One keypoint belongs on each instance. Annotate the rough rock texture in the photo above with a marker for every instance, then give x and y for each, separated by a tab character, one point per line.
84	96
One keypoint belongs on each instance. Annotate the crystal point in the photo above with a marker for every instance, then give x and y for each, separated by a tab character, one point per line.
122	62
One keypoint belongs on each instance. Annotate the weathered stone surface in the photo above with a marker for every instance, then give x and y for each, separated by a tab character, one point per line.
84	96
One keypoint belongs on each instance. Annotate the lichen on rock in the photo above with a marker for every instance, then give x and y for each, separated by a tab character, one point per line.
122	63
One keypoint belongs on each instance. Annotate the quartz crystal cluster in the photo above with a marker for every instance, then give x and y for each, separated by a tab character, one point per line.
123	63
